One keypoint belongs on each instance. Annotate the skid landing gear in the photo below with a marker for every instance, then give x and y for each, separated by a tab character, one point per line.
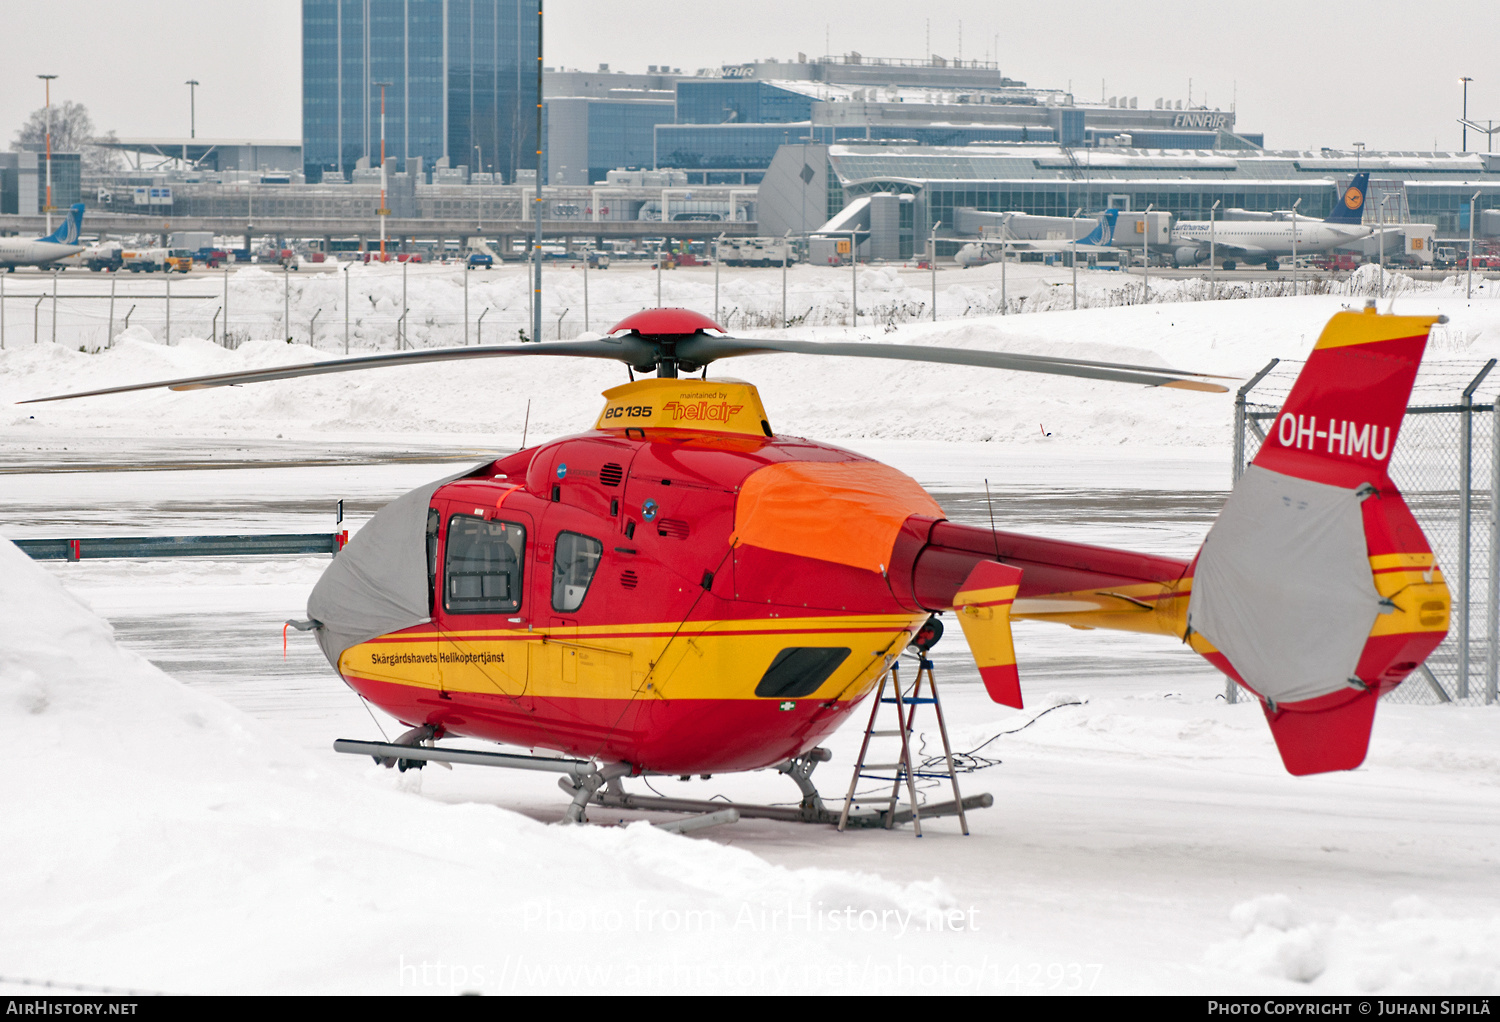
589	783
810	810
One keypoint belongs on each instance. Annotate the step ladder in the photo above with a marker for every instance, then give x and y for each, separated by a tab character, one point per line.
901	771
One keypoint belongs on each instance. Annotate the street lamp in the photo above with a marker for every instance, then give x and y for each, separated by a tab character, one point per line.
1294	245
382	212
1075	257
192	84
47	208
1381	212
1213	268
1473	212
1466	80
1146	254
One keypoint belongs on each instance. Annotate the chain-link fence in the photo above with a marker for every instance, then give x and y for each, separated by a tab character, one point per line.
1447	466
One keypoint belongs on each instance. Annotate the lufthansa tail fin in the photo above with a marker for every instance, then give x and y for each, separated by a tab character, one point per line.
1315	588
67	232
1350	209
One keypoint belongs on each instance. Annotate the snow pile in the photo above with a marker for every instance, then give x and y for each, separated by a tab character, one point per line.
1409	949
160	840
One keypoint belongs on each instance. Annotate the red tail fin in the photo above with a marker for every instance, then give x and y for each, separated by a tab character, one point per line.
1316	588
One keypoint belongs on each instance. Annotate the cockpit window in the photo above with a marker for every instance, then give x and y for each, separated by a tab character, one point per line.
573	569
482	570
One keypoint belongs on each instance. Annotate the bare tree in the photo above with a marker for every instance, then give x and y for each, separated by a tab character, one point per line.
72	132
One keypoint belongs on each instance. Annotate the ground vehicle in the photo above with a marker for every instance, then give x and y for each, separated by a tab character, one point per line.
1444	257
179	260
1337	261
211	257
480	261
103	255
598	260
144	260
682	590
756	251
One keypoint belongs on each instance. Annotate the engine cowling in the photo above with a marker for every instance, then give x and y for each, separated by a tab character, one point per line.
1187	255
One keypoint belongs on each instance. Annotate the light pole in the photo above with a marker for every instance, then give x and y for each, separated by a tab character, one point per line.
1146	254
717	243
786	246
1473	212
1213	266
536	269
478	205
346	309
382	212
854	270
192	84
1381	258
1004	298
1466	80
1075	257
47	208
932	265
1294	245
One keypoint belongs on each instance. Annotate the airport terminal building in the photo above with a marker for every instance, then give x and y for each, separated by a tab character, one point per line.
723	125
808	185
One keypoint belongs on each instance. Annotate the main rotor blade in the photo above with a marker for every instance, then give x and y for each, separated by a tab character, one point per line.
702	349
618	350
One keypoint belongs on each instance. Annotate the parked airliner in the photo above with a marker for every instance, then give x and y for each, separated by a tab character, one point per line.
1264	241
60	244
982	252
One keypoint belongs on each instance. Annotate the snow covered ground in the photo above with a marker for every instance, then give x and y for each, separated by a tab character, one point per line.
190	831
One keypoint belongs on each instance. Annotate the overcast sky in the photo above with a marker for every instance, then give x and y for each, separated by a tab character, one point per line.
1306	73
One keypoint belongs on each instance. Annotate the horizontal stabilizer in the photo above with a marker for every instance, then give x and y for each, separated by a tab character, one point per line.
983	609
1317	741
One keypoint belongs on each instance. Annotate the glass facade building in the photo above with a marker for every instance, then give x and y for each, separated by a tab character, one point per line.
462	77
724	101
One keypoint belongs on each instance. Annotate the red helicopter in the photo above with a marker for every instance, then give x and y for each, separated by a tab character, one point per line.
682	590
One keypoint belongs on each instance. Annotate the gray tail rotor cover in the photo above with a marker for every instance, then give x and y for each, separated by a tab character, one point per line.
1283	586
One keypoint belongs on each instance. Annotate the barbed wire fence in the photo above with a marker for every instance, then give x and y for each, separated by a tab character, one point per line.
376	308
1447	466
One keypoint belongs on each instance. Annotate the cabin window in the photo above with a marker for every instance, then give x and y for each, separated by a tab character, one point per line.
573	569
798	671
482	570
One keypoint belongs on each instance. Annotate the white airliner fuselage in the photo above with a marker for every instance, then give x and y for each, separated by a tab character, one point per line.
1258	241
60	244
33	251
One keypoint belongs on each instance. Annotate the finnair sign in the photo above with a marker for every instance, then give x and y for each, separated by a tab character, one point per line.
1203	120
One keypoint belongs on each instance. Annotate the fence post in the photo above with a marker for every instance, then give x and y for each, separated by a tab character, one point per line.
1492	620
1241	420
1465	523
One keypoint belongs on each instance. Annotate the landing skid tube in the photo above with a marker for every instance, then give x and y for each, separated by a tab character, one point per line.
588	783
789	814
